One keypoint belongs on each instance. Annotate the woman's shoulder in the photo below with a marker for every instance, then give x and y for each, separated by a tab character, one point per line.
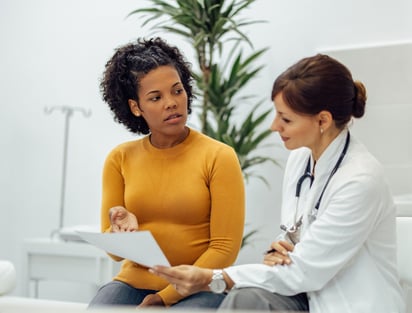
209	149
125	147
205	140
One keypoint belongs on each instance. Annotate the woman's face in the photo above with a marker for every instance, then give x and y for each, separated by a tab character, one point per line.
163	102
296	130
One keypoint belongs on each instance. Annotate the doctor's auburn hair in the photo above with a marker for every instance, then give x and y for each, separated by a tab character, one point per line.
319	83
129	64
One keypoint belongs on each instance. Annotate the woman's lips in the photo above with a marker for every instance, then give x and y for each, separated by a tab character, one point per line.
173	116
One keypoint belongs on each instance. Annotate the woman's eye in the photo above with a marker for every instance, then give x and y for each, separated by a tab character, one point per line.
287	121
154	98
179	91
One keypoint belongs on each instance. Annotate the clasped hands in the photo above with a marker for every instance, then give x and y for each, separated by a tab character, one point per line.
278	254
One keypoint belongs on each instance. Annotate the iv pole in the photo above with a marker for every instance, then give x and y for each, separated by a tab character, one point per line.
68	111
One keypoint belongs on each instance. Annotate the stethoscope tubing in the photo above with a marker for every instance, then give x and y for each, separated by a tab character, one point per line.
307	174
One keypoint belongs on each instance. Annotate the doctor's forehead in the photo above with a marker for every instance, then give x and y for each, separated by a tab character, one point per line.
281	106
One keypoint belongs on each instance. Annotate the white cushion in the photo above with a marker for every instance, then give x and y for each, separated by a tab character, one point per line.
404	234
7	277
10	304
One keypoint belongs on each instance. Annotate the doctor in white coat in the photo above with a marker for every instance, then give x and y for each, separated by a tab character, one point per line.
337	251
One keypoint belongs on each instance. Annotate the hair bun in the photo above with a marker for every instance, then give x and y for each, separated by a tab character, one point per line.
359	101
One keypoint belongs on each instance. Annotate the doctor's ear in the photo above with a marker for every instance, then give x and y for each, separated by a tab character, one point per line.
134	107
325	120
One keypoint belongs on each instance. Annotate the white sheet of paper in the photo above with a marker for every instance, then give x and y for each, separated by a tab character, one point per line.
139	246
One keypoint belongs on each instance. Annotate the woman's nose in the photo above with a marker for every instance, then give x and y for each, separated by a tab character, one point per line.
171	104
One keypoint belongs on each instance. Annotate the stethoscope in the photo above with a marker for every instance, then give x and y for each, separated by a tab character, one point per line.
292	231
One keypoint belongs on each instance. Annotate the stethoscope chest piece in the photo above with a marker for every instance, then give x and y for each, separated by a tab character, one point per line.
292	233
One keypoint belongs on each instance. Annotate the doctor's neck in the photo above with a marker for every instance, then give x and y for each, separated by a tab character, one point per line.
323	141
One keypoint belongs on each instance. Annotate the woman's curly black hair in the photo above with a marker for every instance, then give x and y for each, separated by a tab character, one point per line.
129	64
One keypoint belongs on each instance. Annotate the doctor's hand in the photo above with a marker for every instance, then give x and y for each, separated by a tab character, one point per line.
186	279
278	253
122	220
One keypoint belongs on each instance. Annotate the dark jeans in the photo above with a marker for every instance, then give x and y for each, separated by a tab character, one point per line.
116	293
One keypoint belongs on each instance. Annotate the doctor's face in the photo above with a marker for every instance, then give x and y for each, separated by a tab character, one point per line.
296	130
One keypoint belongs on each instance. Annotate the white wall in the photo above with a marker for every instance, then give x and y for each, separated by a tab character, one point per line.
386	70
53	53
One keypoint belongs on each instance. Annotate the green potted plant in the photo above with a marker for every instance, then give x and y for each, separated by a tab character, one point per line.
212	27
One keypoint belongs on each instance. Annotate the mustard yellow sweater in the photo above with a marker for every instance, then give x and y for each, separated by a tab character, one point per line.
190	196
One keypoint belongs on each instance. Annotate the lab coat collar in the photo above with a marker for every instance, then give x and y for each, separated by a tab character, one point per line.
330	156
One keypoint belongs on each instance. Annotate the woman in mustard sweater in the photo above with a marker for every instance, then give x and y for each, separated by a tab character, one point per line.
183	186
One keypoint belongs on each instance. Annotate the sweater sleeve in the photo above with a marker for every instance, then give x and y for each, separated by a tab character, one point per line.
226	216
227	212
112	191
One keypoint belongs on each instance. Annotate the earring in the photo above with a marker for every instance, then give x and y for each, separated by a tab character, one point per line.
321	130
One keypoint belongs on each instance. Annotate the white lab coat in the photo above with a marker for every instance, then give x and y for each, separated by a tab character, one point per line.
346	259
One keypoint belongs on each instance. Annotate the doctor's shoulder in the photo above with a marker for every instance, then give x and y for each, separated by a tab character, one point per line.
363	172
362	162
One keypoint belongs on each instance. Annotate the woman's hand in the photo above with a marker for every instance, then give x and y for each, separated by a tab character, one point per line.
122	220
151	300
186	279
280	254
